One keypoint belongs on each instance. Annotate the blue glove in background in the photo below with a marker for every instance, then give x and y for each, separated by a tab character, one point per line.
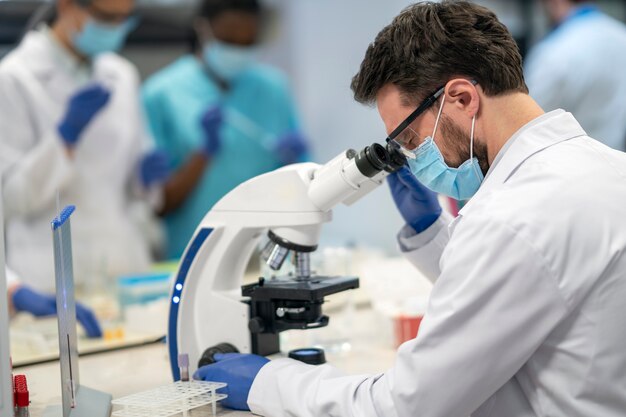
416	203
154	168
83	106
291	147
30	301
211	124
238	370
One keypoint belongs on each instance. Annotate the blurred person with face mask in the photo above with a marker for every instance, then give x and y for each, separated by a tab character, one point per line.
579	67
71	123
220	115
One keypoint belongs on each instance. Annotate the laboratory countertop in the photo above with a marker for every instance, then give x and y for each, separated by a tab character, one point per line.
358	340
366	348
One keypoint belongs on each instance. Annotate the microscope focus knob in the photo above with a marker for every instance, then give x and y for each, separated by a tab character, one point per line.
256	325
207	355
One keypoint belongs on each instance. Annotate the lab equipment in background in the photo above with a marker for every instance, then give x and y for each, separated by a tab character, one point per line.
399	307
288	205
6	381
169	400
77	400
66	308
143	288
408	319
143	301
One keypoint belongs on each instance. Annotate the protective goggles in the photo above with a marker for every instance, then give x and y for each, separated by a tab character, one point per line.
402	136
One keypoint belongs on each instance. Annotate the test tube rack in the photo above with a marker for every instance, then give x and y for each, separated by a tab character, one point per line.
170	400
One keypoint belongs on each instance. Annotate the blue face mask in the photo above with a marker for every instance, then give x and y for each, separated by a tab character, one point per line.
97	38
430	168
227	60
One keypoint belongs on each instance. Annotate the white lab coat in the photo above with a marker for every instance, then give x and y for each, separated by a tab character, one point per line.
580	68
101	179
526	316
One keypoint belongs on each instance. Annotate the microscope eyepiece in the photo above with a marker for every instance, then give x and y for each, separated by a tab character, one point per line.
372	159
396	158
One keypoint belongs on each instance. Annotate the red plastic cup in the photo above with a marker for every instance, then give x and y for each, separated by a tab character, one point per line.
406	328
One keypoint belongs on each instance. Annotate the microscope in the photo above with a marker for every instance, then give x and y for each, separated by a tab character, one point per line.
208	304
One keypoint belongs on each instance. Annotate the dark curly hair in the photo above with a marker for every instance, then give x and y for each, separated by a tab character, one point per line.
428	43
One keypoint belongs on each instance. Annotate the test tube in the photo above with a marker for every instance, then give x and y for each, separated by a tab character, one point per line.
183	365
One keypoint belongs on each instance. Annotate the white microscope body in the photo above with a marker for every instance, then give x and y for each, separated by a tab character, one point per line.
206	305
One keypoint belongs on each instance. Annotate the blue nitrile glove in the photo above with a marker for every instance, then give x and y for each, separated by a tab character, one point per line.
83	106
238	370
30	301
154	168
291	147
211	124
416	203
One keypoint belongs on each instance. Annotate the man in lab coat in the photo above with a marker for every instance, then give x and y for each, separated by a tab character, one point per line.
526	313
71	122
579	67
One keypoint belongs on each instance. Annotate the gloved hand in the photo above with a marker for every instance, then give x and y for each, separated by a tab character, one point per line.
83	106
416	203
30	301
211	124
154	168
291	147
238	370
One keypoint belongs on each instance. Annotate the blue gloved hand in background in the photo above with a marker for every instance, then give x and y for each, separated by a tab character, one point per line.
30	301
211	124
154	168
291	147
416	203
238	370
82	108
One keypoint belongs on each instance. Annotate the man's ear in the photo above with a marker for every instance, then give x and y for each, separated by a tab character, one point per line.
463	95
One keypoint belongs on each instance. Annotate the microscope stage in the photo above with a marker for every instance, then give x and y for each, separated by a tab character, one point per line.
290	288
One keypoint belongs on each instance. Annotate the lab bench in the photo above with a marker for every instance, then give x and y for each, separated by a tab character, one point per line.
358	340
367	348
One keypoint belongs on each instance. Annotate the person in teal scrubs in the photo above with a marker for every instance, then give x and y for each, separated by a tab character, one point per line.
222	117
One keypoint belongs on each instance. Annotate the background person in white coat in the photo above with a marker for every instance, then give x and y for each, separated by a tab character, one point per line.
525	316
579	67
71	121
